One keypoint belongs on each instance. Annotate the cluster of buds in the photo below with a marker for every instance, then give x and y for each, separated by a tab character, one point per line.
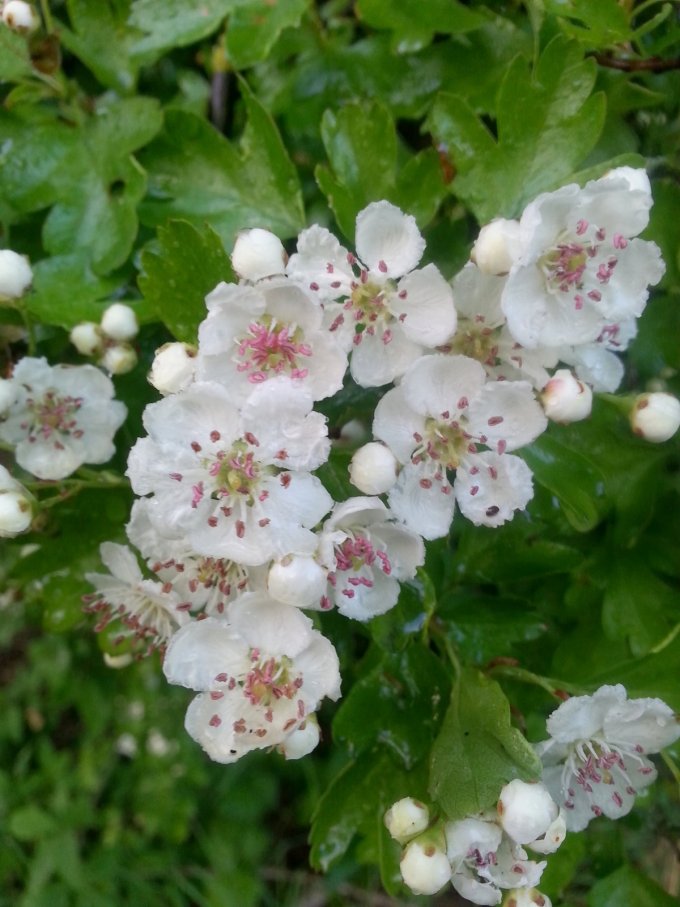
109	342
482	855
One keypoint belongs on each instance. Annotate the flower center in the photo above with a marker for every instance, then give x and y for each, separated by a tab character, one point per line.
368	306
272	347
477	341
270	679
53	414
354	555
444	440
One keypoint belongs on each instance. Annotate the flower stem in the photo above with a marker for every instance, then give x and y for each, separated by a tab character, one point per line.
555	687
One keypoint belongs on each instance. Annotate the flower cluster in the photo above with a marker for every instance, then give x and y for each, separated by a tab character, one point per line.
594	763
109	341
481	855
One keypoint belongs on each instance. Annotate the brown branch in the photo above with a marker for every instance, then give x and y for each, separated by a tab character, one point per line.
651	64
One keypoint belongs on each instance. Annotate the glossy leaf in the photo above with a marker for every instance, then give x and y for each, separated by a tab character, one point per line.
478	750
255	26
15	62
626	886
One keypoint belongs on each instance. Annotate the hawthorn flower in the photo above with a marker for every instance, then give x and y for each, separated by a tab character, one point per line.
484	860
388	312
255	333
261	674
441	417
60	417
598	363
483	334
149	612
595	760
235	482
530	816
579	267
367	553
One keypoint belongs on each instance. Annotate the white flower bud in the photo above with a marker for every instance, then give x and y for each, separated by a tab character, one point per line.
526	897
258	254
353	432
302	740
15	271
373	469
20	16
8	394
655	417
565	398
497	246
525	811
119	322
406	818
119	359
173	368
118	661
87	338
553	838
424	867
16	506
297	580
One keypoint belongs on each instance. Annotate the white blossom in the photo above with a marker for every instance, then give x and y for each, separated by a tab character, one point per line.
20	16
596	761
373	468
87	338
149	613
655	417
236	482
297	579
565	398
173	368
441	417
119	322
17	506
406	818
118	359
497	246
261	673
258	254
255	333
580	267
388	312
424	866
525	811
367	554
60	418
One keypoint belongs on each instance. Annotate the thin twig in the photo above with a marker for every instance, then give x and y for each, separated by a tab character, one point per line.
651	64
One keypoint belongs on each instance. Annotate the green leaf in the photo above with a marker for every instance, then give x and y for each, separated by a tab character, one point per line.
405	16
356	802
546	124
381	705
176	23
66	291
628	888
361	143
255	26
30	823
15	61
638	606
179	270
196	174
478	750
598	24
484	627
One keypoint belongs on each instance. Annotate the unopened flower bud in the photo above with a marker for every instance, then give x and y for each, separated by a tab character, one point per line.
373	468
497	246
119	359
15	272
297	580
118	661
553	837
16	506
173	368
258	254
526	897
302	740
424	867
406	818
87	338
119	322
655	417
19	16
525	811
565	398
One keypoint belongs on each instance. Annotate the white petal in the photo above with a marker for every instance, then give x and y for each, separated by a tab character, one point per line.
421	501
581	717
522	417
269	625
423	303
489	488
201	651
387	240
396	423
647	723
319	263
375	362
438	384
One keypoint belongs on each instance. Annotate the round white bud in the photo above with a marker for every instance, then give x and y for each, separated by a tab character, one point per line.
19	16
119	359
553	838
655	417
8	394
406	818
297	579
424	867
15	273
173	368
302	740
258	254
373	469
526	897
497	246
87	338
16	506
565	398
118	661
119	322
525	811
